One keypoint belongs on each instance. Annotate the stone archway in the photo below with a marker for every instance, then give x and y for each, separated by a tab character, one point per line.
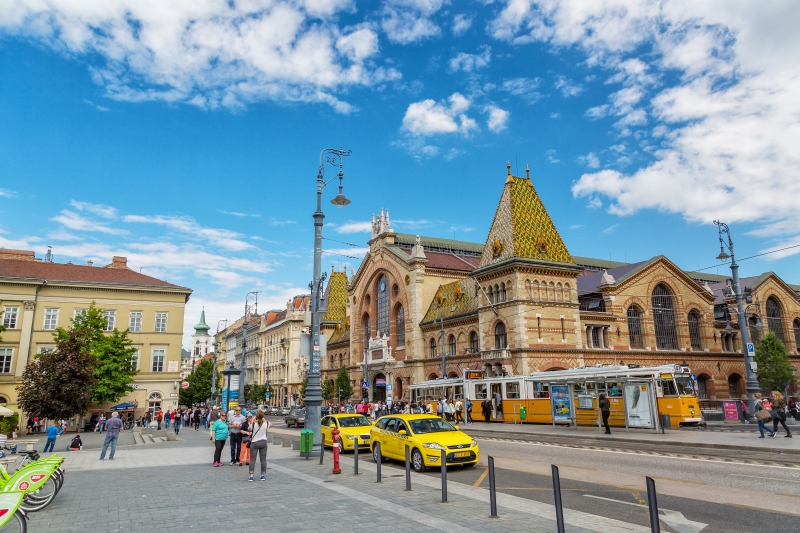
379	388
397	392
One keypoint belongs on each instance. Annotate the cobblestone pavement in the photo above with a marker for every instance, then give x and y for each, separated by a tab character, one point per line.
173	487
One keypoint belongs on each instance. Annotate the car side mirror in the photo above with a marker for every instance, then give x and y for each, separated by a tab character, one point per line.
402	432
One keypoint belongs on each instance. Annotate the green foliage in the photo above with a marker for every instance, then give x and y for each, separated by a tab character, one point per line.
344	389
303	387
2	327
8	423
327	389
774	368
199	389
115	368
255	394
58	385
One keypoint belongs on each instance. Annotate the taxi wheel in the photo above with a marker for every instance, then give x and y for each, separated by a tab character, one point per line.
417	461
341	446
376	451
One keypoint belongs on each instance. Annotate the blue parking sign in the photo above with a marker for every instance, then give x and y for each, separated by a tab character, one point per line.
751	349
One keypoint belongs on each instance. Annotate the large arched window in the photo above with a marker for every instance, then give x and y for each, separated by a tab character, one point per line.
367	328
473	341
735	386
500	339
635	327
774	321
451	345
432	349
664	318
400	325
382	321
796	327
694	330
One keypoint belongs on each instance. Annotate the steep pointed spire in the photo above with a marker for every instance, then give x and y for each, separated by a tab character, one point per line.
201	327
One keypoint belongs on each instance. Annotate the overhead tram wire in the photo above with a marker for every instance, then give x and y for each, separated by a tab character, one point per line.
340	242
750	257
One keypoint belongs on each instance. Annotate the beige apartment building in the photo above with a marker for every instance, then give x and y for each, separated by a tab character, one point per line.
37	296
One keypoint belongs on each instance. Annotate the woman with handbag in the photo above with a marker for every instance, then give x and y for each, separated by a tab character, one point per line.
779	412
258	444
762	415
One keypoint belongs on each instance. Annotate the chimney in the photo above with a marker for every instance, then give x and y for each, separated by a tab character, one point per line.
89	263
119	262
19	255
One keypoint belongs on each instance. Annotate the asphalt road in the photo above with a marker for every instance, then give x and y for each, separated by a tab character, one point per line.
699	489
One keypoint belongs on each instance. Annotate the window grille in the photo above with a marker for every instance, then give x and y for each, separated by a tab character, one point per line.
400	325
451	345
797	334
774	322
694	331
500	340
382	317
664	319
635	327
473	341
432	348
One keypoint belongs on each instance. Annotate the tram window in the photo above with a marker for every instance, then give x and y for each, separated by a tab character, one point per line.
541	390
685	386
614	389
512	391
429	394
439	393
480	391
459	391
669	387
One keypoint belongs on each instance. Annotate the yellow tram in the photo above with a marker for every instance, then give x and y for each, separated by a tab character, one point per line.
639	396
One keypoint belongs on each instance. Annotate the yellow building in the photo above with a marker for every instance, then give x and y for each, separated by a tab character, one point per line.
36	297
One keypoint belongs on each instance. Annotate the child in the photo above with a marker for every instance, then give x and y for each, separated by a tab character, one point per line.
76	444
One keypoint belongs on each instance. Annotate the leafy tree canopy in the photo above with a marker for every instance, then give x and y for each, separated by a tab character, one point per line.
327	389
774	368
303	387
2	327
199	389
344	388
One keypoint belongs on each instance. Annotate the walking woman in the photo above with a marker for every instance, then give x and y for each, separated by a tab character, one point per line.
762	415
177	420
779	412
219	434
258	444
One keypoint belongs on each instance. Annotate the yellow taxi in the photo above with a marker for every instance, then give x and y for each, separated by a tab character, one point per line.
426	436
350	426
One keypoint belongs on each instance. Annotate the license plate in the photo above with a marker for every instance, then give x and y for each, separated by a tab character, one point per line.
462	454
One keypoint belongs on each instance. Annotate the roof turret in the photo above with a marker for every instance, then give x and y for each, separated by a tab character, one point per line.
202	327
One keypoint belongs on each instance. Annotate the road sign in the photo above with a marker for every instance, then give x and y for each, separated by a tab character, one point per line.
751	349
364	384
389	388
267	395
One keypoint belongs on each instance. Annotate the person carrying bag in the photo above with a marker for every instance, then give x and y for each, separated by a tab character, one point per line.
258	444
762	416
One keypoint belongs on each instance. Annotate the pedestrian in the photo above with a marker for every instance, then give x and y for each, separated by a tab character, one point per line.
779	413
744	413
52	433
76	444
159	418
605	410
176	420
197	419
167	417
113	426
459	411
762	415
244	456
793	408
486	408
235	427
258	444
101	422
498	404
468	412
36	424
148	416
448	410
219	434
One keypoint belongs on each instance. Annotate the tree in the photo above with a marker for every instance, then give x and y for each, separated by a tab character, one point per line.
344	389
774	368
2	327
327	389
58	385
255	394
303	387
199	389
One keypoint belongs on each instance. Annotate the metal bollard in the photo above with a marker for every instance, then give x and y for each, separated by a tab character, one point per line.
355	458
444	476
652	502
377	454
557	494
408	468
492	489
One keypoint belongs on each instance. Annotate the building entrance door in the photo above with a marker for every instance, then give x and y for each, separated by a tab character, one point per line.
379	388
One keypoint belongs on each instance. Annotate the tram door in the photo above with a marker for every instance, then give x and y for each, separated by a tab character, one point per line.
497	401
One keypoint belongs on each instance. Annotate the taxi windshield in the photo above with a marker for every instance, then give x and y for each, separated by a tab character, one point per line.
353	421
430	425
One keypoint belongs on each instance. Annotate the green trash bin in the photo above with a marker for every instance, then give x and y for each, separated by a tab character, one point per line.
523	413
306	441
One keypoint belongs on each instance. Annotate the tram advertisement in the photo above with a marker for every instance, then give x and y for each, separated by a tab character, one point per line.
637	405
562	410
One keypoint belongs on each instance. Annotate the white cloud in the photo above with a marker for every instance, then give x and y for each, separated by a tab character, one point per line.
611	228
355	227
104	211
275	222
595	203
75	221
223	238
471	62
409	21
568	87
351	253
555	115
497	118
551	156
242	215
209	54
576	226
412	224
590	160
429	118
7	194
523	87
461	23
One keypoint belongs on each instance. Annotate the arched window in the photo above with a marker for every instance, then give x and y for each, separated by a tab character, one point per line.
367	328
664	318
774	322
754	333
702	387
432	350
451	345
503	295
473	341
796	327
491	294
635	327
400	325
154	402
500	340
551	292
529	288
382	321
559	292
735	386
694	330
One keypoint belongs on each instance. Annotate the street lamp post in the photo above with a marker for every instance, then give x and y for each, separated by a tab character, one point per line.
244	345
313	399
214	370
752	385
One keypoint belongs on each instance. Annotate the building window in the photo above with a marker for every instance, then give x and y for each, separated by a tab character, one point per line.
491	294
5	360
367	329
154	403
664	318
567	293
44	350
78	312
395	290
503	295
433	348
694	331
135	324
50	319
797	334
158	361
10	317
382	322
161	322
563	331
635	327
473	342
754	334
400	326
451	345
500	340
734	386
539	327
774	321
135	358
111	320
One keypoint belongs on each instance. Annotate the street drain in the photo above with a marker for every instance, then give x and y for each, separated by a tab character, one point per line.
327	481
398	475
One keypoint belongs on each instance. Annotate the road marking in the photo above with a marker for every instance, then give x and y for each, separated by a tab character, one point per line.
481	478
771	478
673	519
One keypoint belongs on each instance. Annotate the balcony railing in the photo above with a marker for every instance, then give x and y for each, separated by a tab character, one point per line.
503	353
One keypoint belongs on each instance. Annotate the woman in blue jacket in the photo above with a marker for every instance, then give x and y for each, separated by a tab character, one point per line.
219	434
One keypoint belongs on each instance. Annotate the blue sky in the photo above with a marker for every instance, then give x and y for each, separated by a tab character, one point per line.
186	136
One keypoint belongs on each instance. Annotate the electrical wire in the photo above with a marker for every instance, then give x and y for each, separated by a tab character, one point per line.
750	257
340	242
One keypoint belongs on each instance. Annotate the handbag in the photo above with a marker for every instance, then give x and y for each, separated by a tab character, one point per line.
763	415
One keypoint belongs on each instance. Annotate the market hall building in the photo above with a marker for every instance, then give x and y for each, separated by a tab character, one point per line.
521	302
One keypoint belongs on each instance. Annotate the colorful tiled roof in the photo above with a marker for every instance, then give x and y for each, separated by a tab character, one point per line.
453	299
522	228
336	294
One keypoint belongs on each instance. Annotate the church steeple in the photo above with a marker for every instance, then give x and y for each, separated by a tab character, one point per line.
202	328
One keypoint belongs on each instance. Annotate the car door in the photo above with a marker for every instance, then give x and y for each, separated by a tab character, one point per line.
388	436
325	429
401	440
